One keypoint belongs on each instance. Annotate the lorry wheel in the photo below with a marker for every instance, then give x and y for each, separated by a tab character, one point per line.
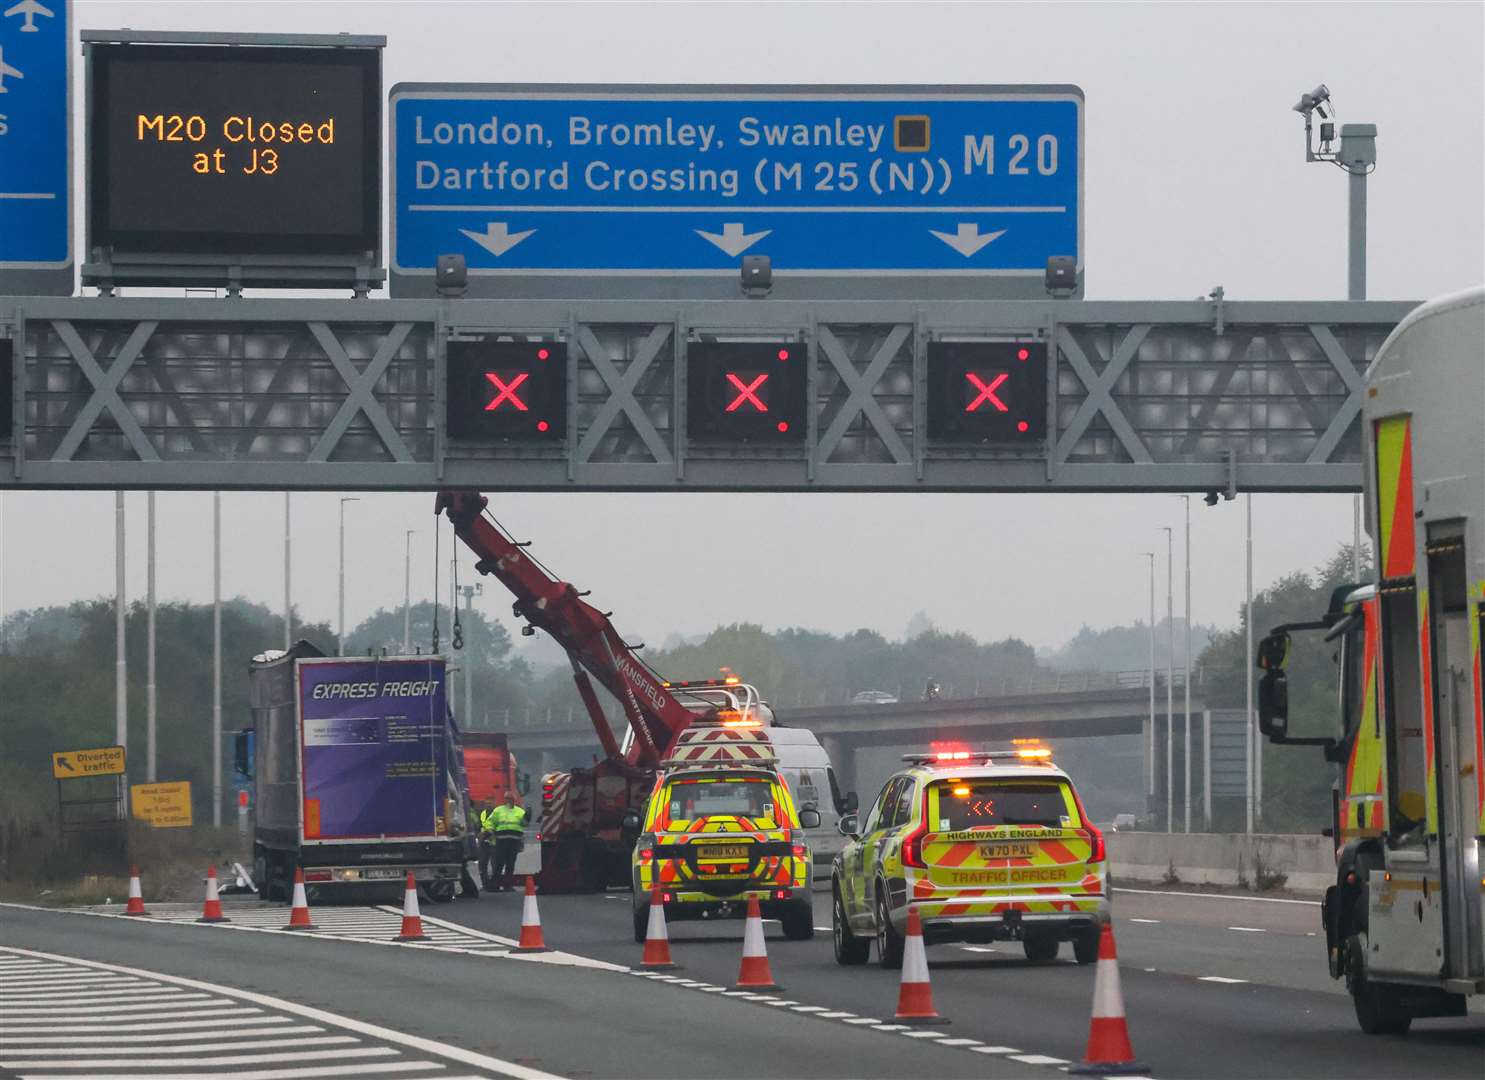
889	941
1041	948
849	949
1377	1008
441	891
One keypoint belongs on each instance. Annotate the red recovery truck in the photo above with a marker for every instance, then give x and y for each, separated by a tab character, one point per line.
590	816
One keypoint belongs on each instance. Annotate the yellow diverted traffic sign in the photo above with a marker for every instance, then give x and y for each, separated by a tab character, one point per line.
165	806
104	761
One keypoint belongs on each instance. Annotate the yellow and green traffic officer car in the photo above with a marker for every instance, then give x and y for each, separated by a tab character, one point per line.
716	835
986	846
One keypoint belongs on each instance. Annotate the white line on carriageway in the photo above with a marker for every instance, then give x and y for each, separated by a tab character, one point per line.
1219	896
24	1046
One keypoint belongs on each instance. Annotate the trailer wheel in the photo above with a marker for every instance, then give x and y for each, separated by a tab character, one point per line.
440	891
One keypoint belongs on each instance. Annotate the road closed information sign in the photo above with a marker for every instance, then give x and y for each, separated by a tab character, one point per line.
164	806
234	149
547	181
103	761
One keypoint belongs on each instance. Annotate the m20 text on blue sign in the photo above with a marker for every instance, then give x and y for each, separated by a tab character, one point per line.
585	182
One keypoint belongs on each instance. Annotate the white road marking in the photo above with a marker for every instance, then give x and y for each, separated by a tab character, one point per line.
1249	929
826	929
167	1037
995	1050
386	1035
959	1042
122	1011
1038	1059
248	1016
209	1062
923	1034
808	1008
83	1051
1144	920
282	1074
890	1027
1220	896
1219	979
836	1015
978	948
862	1020
71	1024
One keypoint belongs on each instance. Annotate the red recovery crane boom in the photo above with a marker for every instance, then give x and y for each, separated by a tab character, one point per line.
593	645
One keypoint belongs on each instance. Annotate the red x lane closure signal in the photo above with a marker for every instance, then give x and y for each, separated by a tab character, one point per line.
746	392
507	391
987	392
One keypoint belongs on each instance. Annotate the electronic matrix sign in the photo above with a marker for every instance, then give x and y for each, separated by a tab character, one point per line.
987	391
234	152
514	391
752	391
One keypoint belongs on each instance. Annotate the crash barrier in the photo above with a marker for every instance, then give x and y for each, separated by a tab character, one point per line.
914	995
412	921
531	939
1109	1051
1260	861
755	974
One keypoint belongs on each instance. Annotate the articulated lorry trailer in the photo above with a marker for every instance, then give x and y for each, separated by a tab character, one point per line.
358	774
1405	920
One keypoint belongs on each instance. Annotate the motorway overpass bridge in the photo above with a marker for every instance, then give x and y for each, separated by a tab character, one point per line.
1076	706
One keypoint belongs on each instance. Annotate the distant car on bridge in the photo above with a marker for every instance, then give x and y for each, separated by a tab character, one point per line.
874	697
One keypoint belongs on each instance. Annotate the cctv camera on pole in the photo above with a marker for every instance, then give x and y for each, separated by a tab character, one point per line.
1358	157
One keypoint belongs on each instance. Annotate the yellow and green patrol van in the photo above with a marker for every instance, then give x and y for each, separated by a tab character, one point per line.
721	828
985	845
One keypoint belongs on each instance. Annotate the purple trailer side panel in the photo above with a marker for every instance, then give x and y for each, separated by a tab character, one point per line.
374	748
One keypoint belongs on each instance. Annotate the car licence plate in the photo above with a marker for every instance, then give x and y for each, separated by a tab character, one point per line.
723	851
1007	851
387	873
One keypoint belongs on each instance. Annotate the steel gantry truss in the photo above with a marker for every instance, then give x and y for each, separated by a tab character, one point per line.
304	394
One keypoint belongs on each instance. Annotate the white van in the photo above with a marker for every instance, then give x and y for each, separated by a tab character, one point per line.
807	770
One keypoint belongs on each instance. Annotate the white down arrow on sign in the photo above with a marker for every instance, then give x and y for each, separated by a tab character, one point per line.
968	239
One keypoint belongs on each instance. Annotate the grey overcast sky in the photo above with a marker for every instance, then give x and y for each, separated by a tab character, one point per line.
1195	177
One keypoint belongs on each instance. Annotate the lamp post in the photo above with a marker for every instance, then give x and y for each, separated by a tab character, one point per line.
1186	729
407	594
288	604
150	697
1150	741
216	659
1170	672
1252	749
120	660
340	634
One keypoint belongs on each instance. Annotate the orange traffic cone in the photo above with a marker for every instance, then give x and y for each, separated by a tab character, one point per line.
136	896
914	995
299	910
211	911
657	940
755	973
1109	1052
531	939
412	922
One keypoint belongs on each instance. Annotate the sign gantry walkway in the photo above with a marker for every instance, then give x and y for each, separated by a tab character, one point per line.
338	394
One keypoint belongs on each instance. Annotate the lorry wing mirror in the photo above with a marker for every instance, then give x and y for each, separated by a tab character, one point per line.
1273	704
630	822
852	803
1273	650
809	819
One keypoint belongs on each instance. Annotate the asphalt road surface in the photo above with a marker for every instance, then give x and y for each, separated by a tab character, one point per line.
1215	987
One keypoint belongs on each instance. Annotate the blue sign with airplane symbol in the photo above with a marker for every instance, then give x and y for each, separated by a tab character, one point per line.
630	182
35	146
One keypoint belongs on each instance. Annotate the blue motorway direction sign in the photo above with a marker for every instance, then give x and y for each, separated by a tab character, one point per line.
662	190
35	146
